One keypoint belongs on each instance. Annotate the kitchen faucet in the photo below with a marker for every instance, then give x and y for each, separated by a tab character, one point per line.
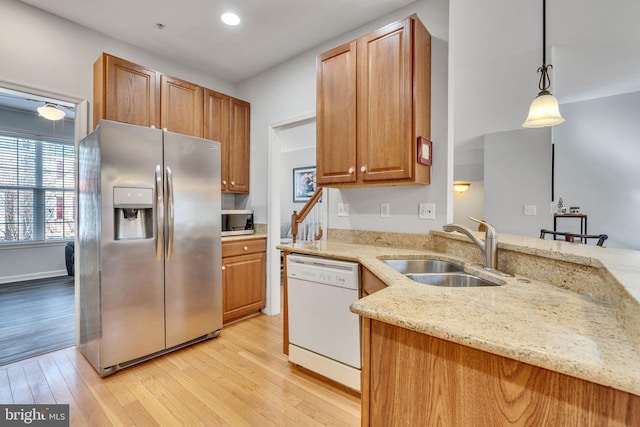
489	247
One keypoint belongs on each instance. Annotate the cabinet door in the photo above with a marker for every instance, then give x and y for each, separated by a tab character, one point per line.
385	143
125	92
216	128
181	106
239	146
336	112
244	285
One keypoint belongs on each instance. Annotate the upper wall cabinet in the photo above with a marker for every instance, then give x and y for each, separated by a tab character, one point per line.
125	92
129	93
226	119
181	106
373	102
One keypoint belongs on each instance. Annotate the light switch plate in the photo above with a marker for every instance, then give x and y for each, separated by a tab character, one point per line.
343	209
427	211
530	210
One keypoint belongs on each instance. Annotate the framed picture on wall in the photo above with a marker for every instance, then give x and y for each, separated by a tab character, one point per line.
304	183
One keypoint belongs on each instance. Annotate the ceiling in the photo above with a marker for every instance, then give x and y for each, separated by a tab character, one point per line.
271	31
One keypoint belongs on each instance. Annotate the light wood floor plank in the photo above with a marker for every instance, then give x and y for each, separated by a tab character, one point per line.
37	383
19	385
271	403
60	390
91	409
5	387
238	379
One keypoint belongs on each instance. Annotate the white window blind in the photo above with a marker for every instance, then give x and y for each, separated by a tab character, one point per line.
37	184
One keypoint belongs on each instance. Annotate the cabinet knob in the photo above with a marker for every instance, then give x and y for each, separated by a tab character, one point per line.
363	169
350	171
223	268
165	129
233	183
153	126
224	182
245	248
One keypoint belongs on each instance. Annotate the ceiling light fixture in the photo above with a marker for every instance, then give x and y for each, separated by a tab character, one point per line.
461	187
51	112
230	18
544	110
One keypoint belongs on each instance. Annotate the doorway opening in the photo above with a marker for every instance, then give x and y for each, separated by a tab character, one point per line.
37	219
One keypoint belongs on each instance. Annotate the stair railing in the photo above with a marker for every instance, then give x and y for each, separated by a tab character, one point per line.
311	229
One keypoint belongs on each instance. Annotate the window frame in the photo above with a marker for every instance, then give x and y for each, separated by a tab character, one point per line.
39	190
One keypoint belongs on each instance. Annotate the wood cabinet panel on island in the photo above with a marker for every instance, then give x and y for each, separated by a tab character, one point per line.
373	102
411	378
130	93
244	273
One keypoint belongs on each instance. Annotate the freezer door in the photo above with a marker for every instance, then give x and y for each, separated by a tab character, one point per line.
193	277
132	276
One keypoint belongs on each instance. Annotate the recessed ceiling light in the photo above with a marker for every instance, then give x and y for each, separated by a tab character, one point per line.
230	18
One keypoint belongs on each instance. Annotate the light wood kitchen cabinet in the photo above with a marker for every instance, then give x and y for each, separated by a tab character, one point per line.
125	92
369	283
243	278
181	106
373	102
414	379
227	120
130	93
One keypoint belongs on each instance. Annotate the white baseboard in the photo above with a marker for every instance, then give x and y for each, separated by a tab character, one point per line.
32	276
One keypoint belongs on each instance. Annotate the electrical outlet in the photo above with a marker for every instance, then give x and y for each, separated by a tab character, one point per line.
384	210
343	209
427	211
530	210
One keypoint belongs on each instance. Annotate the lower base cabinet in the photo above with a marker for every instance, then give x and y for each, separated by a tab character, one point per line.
243	278
409	378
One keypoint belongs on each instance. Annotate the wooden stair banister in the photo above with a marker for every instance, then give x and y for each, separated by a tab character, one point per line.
297	218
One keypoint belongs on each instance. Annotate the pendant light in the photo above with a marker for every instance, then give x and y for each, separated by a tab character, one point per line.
544	110
50	112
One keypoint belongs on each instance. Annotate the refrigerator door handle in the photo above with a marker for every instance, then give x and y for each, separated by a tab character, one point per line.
159	214
170	213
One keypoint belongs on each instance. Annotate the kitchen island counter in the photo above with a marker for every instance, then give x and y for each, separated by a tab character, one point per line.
545	325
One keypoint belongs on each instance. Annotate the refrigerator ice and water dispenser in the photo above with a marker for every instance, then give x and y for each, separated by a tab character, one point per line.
133	210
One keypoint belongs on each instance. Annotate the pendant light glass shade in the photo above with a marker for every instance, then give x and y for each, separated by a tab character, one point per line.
543	112
50	112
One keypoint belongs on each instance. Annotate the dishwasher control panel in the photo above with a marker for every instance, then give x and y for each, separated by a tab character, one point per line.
322	270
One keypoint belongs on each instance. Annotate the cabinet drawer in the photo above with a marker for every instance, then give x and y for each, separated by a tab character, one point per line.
243	247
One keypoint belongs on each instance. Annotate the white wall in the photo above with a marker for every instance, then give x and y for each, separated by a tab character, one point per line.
469	203
288	90
517	172
289	160
597	151
40	50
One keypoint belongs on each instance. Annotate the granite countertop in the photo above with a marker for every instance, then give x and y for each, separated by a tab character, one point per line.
526	320
244	237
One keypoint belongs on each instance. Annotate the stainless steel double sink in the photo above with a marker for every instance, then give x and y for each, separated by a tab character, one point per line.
437	273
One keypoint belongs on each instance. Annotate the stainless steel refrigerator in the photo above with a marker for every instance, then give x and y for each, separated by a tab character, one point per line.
148	253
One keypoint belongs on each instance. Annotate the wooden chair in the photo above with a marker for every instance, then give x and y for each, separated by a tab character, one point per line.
572	237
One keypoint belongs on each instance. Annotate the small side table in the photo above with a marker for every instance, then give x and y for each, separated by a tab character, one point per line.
583	222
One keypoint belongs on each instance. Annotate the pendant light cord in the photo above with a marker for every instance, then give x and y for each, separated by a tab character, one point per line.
545	81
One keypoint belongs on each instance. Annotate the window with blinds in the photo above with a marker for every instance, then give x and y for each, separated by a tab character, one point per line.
37	183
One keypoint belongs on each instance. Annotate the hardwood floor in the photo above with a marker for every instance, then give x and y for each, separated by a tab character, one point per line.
240	378
36	317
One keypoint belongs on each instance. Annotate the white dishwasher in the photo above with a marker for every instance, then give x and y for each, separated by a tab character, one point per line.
324	336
